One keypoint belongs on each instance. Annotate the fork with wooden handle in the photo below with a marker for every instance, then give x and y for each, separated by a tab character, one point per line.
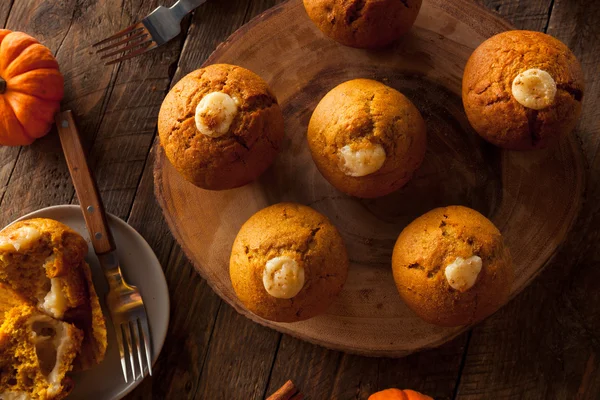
124	301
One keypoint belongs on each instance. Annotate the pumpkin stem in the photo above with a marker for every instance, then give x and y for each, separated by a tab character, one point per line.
2	85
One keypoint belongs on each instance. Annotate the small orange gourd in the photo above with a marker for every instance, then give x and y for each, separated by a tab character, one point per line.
397	394
31	88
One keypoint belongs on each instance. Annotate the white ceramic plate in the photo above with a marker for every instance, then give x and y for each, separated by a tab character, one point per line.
140	268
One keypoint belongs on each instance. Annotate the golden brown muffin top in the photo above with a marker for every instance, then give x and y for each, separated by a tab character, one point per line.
366	109
433	241
298	232
190	150
498	60
363	113
488	80
363	23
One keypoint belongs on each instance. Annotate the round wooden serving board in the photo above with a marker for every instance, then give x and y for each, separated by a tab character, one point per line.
533	197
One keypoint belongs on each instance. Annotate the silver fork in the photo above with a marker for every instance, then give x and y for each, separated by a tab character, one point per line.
161	26
124	301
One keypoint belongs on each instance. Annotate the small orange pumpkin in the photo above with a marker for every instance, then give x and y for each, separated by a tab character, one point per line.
31	88
397	394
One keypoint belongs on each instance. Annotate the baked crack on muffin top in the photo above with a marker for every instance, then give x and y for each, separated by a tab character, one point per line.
220	126
363	23
451	266
367	139
523	90
288	263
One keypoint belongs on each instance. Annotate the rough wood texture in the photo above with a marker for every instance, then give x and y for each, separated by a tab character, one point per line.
459	169
531	14
180	377
85	184
8	155
4	10
544	344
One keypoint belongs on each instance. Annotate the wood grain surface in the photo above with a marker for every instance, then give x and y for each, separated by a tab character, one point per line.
85	184
301	67
543	345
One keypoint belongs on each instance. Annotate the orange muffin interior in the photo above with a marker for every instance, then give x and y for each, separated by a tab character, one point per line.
46	285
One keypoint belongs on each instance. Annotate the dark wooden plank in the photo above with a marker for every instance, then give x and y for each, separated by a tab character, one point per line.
115	106
325	374
531	14
31	165
194	306
5	7
122	140
239	359
433	372
312	368
545	343
41	165
181	360
8	159
212	24
8	155
576	24
243	361
146	217
357	378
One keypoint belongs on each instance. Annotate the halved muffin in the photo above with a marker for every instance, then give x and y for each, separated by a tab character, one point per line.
42	260
36	353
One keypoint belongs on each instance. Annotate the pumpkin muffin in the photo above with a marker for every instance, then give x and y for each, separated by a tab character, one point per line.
366	138
36	353
288	263
451	266
363	23
220	126
42	261
523	90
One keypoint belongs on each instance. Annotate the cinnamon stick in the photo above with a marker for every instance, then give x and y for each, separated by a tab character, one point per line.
287	392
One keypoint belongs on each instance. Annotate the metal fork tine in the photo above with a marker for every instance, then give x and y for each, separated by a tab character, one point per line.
120	34
131	38
147	342
131	47
133	54
135	330
126	329
122	354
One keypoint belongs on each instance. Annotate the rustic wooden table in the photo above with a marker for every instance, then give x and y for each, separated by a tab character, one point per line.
543	345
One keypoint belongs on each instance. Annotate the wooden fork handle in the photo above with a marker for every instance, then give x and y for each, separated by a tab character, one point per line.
85	184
